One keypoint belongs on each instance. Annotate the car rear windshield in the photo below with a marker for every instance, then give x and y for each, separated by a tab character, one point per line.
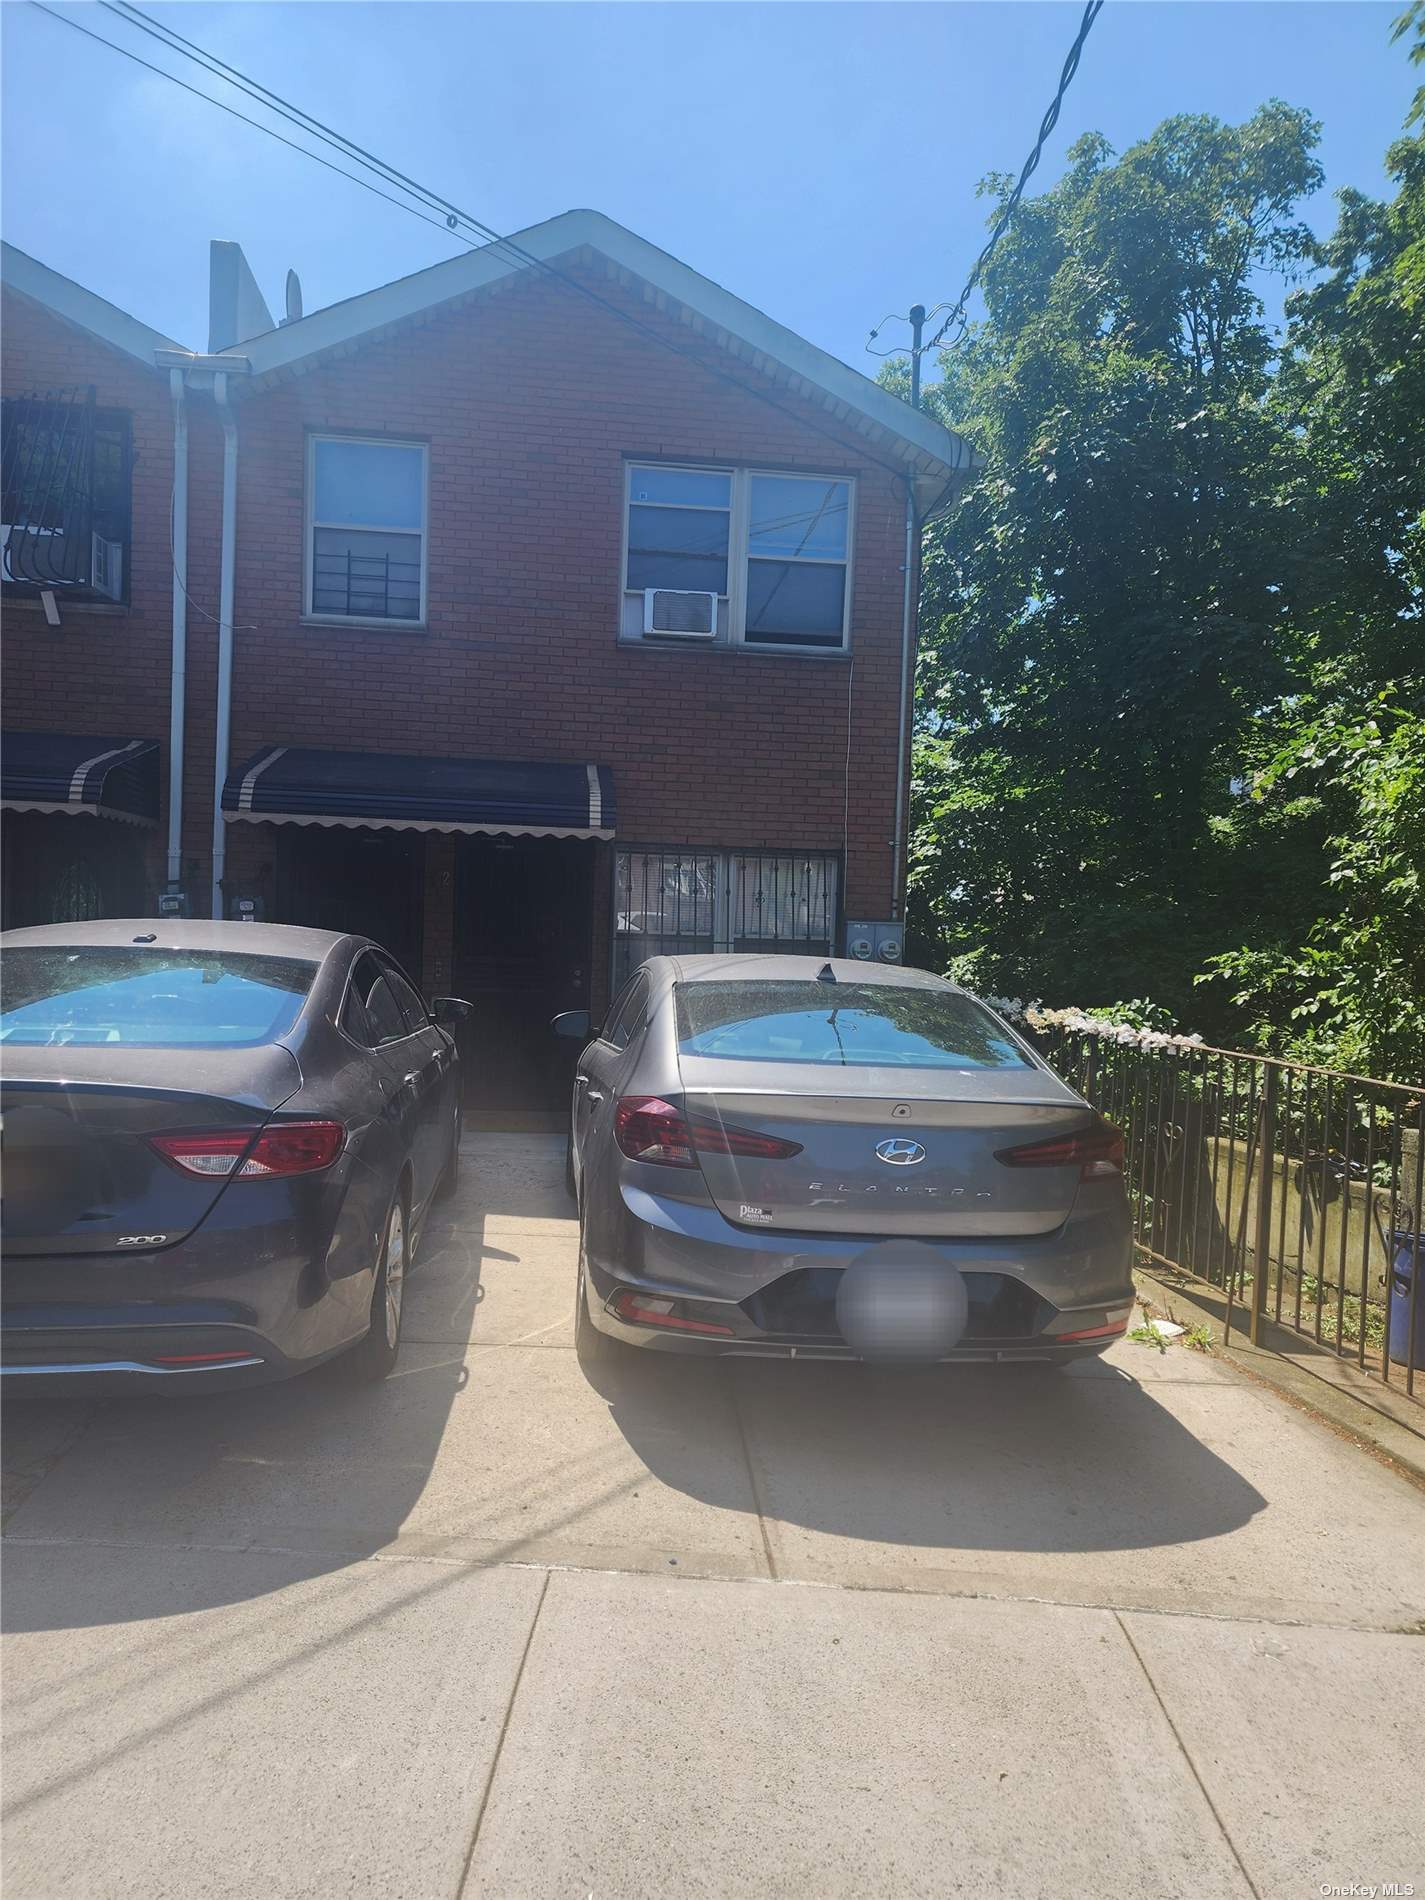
156	999
853	1025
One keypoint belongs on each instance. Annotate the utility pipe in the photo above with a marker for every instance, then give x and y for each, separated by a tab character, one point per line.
226	581
898	841
178	668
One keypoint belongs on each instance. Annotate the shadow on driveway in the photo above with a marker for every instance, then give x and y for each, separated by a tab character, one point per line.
849	1467
199	1470
951	1458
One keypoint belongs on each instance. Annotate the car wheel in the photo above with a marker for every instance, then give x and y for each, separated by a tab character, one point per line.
450	1180
593	1347
375	1358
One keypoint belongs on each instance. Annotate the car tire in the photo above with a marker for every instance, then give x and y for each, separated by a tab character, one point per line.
593	1347
375	1358
449	1182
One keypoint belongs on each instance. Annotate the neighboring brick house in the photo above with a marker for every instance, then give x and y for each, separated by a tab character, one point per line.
566	611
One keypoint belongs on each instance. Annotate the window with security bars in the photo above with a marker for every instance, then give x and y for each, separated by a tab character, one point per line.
65	510
366	529
672	903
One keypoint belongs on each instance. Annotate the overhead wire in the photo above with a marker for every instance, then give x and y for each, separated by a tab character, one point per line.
297	115
505	246
197	92
1027	171
958	314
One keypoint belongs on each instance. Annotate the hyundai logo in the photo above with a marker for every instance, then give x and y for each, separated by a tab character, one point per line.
899	1153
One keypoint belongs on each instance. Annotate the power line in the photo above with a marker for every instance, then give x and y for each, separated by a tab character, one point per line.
453	215
296	115
1031	165
957	314
99	39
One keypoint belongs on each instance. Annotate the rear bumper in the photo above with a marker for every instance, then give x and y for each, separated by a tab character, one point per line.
774	1296
127	1359
266	1294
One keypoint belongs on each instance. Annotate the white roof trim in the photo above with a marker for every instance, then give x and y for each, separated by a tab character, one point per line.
727	319
81	307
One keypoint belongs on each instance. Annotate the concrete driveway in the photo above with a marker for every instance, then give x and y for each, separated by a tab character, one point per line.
744	1629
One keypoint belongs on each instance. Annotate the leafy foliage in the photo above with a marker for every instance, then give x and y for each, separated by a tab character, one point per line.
1169	695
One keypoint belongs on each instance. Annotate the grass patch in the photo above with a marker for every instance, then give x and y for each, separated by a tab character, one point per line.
1147	1336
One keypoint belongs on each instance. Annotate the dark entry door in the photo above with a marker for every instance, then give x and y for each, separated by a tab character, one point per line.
523	939
63	869
370	883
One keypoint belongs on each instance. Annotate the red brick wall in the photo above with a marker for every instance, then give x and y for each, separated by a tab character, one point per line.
105	669
530	401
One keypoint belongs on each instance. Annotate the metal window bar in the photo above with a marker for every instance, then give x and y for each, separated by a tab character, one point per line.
47	477
366	584
668	902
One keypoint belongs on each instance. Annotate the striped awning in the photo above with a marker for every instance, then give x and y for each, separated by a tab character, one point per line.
65	772
295	785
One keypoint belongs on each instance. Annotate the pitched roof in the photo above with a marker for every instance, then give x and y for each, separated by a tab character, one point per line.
915	439
81	307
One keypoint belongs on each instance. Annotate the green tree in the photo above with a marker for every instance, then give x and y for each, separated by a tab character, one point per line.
1107	611
1349	749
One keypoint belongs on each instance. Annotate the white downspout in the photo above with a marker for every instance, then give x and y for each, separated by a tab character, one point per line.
899	843
226	582
178	669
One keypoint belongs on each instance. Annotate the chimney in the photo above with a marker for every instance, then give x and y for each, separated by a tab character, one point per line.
236	310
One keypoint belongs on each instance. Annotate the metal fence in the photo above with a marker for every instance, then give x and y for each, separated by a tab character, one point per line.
1292	1189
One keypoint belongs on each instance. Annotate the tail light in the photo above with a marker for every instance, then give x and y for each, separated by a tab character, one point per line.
647	1128
286	1148
1095	1151
205	1359
641	1310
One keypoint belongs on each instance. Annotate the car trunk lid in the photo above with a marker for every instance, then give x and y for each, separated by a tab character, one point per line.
888	1157
80	1174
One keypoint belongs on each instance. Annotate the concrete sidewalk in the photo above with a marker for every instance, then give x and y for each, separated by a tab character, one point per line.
711	1629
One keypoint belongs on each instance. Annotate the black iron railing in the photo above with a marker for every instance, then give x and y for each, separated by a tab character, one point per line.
1299	1192
65	494
366	586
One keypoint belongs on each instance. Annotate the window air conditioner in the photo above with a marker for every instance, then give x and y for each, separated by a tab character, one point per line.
672	613
106	567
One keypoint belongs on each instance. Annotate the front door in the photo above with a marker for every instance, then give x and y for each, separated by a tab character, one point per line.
523	942
366	882
63	868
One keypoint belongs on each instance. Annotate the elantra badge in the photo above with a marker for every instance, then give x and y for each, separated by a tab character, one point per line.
899	1153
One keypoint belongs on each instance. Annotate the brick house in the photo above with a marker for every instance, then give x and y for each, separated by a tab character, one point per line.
530	614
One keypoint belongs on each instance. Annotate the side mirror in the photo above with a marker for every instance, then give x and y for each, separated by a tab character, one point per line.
450	1011
573	1025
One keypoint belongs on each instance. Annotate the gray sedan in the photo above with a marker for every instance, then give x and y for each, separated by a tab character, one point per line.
779	1155
221	1144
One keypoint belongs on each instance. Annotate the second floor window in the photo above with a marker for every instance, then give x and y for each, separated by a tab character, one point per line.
366	529
772	549
65	511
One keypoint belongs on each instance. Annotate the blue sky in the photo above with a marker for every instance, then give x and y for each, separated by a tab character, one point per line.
818	160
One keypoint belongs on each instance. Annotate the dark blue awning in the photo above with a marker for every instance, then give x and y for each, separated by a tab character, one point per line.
59	771
297	786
